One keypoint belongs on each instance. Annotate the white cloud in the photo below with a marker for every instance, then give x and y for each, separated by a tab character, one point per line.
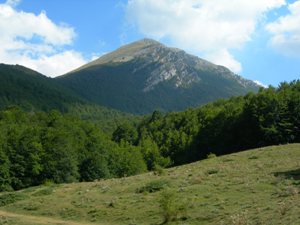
286	31
222	56
36	42
13	2
260	84
52	65
204	27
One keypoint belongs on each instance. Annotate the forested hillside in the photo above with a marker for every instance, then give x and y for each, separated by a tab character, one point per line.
270	117
48	147
34	92
40	147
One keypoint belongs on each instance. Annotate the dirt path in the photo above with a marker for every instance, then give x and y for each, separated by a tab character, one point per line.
37	219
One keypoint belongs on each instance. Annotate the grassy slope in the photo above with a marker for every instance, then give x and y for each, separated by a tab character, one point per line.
253	187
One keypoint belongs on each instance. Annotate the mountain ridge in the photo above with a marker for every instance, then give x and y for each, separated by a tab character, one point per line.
146	46
110	56
154	72
34	92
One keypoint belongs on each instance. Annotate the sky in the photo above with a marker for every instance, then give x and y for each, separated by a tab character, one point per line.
257	39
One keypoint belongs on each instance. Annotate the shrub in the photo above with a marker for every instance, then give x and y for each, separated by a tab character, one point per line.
10	198
253	157
43	192
211	155
212	171
48	183
170	207
158	170
153	186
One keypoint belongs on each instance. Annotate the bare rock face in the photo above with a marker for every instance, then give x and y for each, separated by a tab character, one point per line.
172	63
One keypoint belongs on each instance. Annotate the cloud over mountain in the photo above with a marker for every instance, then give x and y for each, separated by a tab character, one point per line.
210	29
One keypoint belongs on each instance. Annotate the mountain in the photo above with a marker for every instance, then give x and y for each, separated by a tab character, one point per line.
147	75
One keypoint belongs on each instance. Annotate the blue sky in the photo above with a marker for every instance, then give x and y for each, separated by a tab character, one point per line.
258	39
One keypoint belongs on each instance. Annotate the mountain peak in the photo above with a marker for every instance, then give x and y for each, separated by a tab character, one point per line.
148	75
124	53
148	41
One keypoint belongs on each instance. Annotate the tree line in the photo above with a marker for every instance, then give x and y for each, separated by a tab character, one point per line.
37	147
269	117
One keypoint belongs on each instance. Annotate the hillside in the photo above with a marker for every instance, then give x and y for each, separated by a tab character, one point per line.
269	117
259	186
39	147
146	75
32	91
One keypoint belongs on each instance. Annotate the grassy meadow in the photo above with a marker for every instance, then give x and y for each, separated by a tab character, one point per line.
259	186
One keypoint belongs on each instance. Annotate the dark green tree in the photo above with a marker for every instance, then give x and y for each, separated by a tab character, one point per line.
5	181
94	167
125	132
151	154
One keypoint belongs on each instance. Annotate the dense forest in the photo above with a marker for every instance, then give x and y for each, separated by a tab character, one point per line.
39	147
269	117
48	147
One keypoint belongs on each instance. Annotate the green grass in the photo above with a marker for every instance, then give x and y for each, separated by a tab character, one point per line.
259	186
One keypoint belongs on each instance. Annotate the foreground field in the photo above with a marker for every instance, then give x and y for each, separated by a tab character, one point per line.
259	186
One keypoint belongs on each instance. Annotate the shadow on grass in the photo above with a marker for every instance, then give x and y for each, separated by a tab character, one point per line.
291	174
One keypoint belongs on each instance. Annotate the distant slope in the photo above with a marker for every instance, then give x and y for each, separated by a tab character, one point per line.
260	186
146	75
32	91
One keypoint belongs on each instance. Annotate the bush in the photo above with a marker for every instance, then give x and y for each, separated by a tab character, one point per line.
253	157
10	198
153	186
44	191
171	209
212	171
158	170
211	155
48	183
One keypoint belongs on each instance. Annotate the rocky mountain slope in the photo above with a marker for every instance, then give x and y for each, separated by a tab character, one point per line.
147	75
